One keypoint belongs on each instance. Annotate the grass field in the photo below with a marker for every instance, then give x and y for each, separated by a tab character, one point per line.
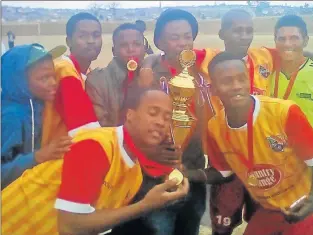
202	41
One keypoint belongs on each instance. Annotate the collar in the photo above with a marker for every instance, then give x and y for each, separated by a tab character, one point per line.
77	67
150	167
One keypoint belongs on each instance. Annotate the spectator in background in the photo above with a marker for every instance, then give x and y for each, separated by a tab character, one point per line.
3	50
30	68
72	109
11	38
142	27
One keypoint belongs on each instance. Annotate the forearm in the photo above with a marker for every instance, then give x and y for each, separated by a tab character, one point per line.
10	171
208	176
98	221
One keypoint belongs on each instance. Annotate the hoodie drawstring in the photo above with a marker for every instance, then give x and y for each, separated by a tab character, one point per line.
33	125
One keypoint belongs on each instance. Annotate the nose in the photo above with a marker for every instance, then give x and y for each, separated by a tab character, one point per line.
160	121
183	44
90	39
130	49
237	85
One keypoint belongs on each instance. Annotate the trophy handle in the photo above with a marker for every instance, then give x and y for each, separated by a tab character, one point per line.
164	85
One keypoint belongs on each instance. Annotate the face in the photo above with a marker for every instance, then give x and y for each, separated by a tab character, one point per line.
151	120
86	41
230	82
42	80
238	37
129	43
176	37
290	42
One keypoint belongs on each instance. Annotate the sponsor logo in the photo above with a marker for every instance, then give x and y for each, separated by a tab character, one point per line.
267	176
305	96
277	143
264	71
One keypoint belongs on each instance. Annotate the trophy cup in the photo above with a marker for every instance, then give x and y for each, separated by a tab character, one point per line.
181	88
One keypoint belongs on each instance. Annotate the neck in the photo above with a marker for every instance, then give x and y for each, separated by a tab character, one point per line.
173	63
240	54
83	63
238	117
290	66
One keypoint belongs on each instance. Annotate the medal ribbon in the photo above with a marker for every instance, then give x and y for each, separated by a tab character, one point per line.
248	162
251	73
290	84
152	168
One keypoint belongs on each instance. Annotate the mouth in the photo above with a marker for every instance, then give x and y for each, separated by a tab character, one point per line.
156	134
237	97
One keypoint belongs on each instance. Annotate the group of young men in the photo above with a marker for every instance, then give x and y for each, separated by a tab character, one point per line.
84	151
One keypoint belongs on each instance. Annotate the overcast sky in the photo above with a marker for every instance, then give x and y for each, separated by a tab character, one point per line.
132	4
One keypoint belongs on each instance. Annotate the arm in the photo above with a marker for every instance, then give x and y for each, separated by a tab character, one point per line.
98	99
146	78
220	172
300	136
82	179
13	161
74	106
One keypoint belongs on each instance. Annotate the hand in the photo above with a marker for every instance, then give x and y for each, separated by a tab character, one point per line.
54	150
162	194
168	154
300	211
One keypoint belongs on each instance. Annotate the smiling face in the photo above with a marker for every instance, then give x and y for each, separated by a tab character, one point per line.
230	82
151	119
290	42
86	41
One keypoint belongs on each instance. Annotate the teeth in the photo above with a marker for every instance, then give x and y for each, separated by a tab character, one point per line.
238	96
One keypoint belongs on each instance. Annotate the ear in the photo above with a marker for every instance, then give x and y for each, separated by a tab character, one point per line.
130	113
113	51
68	42
221	34
306	41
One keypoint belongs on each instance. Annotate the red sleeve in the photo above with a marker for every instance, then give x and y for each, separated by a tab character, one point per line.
216	158
300	134
200	55
73	104
84	169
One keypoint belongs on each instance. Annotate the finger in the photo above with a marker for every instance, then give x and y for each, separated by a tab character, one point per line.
180	192
168	185
65	143
62	150
65	137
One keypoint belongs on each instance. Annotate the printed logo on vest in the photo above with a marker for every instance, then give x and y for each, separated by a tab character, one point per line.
265	176
305	96
264	71
277	143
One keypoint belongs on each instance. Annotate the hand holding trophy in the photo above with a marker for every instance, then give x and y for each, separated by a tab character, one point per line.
181	88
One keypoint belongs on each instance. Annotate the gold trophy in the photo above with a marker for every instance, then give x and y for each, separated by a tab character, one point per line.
182	88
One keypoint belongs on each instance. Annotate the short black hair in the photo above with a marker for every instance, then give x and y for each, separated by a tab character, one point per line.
135	96
140	22
291	21
73	21
123	27
219	58
229	17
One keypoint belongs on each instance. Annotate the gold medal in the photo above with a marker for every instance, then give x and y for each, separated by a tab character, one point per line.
132	65
187	58
176	174
252	180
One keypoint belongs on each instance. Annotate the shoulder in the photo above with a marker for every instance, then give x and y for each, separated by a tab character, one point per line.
274	106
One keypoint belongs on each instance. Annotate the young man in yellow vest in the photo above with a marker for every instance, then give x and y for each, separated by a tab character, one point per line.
262	141
90	188
72	109
293	76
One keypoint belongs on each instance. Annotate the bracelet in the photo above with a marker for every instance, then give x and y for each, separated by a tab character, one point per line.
146	69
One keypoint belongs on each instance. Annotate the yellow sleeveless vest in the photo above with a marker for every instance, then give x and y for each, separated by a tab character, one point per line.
28	203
